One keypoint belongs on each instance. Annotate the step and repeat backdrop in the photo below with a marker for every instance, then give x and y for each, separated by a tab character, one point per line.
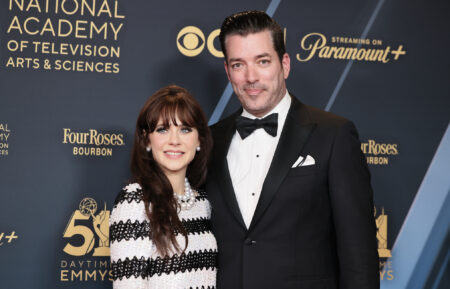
75	73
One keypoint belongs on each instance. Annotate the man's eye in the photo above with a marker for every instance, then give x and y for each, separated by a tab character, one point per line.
186	129
264	61
236	65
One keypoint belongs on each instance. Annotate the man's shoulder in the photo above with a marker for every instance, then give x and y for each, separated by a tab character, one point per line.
323	117
320	117
327	123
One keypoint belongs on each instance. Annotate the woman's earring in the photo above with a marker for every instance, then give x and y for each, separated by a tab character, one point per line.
197	148
148	149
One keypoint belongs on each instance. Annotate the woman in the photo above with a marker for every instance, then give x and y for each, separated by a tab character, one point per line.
160	224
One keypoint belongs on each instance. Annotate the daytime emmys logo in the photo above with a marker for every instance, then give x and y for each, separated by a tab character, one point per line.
386	270
87	233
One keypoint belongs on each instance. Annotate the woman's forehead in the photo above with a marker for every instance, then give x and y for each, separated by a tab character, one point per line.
169	120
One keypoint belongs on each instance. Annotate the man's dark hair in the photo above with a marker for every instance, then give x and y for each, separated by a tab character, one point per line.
247	22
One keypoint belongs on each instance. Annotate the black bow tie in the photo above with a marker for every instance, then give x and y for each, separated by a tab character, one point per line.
245	126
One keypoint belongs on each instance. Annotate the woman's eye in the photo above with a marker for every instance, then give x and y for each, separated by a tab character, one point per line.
161	129
186	129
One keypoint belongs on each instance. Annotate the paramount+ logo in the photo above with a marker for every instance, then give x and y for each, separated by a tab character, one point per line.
317	45
191	42
92	142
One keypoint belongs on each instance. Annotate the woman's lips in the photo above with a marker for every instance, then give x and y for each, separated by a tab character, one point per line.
173	154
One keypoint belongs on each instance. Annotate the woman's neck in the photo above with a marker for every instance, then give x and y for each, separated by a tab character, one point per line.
177	182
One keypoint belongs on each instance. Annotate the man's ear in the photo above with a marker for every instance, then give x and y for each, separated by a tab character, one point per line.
286	65
226	69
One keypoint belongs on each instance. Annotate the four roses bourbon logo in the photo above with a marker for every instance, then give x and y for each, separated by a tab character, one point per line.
77	227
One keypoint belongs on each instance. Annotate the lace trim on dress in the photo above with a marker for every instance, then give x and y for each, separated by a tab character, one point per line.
133	193
143	268
129	197
127	230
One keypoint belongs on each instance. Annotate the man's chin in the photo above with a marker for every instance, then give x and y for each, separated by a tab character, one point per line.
257	110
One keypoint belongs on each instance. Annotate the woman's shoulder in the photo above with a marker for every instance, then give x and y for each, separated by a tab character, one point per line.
129	205
129	194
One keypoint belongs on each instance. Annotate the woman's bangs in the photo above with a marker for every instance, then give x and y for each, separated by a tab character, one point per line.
168	114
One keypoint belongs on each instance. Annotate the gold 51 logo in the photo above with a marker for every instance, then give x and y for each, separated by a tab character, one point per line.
91	228
382	234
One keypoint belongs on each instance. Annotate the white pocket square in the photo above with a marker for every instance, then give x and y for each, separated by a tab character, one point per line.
302	162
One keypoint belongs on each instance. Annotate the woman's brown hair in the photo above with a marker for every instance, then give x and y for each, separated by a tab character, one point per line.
167	104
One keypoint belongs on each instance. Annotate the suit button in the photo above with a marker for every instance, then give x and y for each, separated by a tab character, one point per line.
249	242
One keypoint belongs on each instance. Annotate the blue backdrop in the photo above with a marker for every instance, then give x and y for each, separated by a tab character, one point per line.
74	74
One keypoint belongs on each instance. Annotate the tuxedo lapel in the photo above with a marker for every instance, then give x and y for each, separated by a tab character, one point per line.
294	135
222	139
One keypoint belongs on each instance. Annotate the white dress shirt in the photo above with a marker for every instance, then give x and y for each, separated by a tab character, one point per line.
249	160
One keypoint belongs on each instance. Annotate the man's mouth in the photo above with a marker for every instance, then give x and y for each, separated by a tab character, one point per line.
253	89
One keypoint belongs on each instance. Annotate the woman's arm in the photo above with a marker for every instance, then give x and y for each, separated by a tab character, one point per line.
131	246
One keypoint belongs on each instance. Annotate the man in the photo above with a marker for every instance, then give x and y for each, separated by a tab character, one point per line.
291	196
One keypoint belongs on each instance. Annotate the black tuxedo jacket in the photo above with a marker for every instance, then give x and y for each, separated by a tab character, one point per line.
313	226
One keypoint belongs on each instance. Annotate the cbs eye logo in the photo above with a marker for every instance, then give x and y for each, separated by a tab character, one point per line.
191	41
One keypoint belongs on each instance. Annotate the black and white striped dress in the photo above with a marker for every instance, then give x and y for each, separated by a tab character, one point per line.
135	262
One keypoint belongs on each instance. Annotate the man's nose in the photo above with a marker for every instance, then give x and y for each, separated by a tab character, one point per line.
251	74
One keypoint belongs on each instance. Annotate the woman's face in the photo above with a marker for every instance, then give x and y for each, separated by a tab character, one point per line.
173	147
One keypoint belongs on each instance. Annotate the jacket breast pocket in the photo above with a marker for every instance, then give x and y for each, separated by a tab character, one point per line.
304	170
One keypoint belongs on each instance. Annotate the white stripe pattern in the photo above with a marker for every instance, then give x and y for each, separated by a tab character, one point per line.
134	260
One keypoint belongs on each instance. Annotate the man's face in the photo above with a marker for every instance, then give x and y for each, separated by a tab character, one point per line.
255	71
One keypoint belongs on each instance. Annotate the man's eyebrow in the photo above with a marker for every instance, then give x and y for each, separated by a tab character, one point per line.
235	59
256	57
262	55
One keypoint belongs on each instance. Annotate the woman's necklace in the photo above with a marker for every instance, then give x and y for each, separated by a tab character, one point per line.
187	200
